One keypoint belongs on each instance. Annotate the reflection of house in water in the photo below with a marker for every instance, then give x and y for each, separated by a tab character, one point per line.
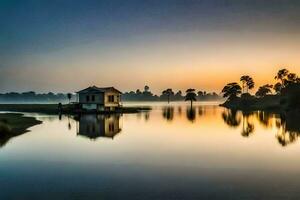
94	126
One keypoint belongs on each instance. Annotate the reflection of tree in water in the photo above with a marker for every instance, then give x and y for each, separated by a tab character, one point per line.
147	116
179	110
191	114
231	118
289	129
265	118
168	113
248	127
201	110
288	123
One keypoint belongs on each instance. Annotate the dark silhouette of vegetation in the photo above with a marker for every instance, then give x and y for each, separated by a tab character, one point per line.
167	95
231	90
264	90
287	95
247	83
190	96
168	92
32	97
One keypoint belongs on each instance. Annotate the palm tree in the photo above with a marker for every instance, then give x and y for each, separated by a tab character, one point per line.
69	95
250	84
244	80
281	75
168	93
231	90
190	96
247	82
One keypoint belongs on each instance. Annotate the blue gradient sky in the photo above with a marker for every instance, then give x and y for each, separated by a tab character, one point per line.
62	45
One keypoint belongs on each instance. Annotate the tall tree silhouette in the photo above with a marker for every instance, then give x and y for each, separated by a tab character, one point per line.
281	75
231	90
168	92
247	83
190	96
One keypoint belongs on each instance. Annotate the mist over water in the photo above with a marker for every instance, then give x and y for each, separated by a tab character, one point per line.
172	152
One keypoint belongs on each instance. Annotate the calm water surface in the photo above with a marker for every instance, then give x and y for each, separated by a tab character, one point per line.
171	152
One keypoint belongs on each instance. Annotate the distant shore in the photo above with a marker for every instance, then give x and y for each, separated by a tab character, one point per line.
65	109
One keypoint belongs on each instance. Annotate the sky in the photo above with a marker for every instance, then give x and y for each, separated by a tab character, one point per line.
67	45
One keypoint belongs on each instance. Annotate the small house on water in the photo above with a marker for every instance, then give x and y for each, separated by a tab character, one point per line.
99	99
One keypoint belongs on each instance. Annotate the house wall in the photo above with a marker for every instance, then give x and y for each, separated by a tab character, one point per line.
99	98
116	102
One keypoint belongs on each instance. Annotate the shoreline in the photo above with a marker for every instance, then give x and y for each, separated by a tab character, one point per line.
65	109
15	124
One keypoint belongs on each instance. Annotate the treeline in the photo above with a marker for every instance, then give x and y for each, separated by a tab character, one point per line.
285	93
32	97
167	95
138	95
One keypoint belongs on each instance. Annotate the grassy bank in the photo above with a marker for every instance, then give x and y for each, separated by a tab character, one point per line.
12	125
53	108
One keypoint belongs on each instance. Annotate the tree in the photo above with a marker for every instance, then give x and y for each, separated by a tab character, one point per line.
138	92
178	95
247	83
264	90
168	93
200	93
277	87
286	78
69	95
146	88
190	96
231	90
281	75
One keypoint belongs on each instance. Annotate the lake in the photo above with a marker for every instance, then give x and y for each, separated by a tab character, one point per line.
171	152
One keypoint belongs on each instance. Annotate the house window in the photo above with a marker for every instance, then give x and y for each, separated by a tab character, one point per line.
87	98
111	98
93	97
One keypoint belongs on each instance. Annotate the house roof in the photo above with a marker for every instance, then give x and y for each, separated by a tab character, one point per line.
99	89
